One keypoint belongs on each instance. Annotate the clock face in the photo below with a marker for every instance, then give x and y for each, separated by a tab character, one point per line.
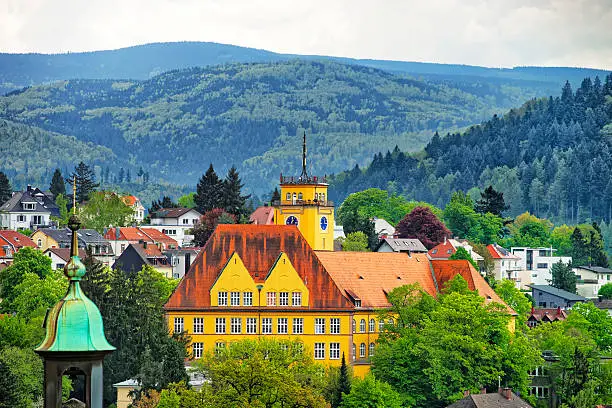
291	220
324	223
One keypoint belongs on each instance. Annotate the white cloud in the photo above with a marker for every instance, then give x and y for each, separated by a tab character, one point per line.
477	32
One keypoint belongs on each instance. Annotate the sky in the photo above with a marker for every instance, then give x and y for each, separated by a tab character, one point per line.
496	33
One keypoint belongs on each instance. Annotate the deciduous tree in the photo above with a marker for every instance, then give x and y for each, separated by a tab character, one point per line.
605	291
105	209
371	393
422	224
355	241
208	222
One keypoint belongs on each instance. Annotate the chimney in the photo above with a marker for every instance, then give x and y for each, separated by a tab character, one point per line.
483	390
117	234
29	188
507	393
144	244
445	239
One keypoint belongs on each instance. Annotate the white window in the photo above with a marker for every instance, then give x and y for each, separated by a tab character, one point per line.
381	325
334	325
372	325
21	218
266	325
247	299
197	350
219	346
354	352
235	299
334	351
354	326
319	325
198	325
281	327
319	351
300	196
220	325
283	298
371	350
298	325
362	350
271	299
29	206
222	298
179	324
251	325
236	325
362	326
288	196
296	299
357	303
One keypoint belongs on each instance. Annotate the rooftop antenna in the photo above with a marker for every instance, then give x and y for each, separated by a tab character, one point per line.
304	175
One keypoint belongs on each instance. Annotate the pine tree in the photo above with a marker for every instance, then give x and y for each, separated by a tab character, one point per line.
491	202
6	191
121	175
275	195
563	277
580	251
57	186
233	200
597	251
344	382
85	181
208	191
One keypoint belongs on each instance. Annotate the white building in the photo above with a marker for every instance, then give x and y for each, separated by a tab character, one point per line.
383	229
505	264
28	209
177	223
535	264
590	279
134	203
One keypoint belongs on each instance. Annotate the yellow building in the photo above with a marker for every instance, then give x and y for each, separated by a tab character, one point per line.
304	203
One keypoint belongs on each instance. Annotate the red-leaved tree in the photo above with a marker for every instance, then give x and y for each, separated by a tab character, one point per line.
422	224
209	221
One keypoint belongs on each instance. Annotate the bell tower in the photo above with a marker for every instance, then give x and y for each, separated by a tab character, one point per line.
304	203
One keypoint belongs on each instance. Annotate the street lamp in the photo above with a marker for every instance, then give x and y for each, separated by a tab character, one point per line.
259	288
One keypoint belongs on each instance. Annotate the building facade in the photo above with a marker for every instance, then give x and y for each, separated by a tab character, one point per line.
30	209
589	279
505	264
535	264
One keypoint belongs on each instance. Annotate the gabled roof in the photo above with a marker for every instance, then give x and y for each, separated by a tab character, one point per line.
15	239
158	236
491	400
262	216
172	212
43	204
381	226
259	247
447	248
445	270
64	235
564	294
498	252
130	200
64	253
404	244
547	314
137	234
596	269
370	276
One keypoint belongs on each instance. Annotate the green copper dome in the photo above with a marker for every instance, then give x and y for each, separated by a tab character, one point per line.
74	324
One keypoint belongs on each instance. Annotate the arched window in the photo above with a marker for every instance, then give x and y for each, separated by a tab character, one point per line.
390	322
372	325
362	326
322	196
39	242
300	196
381	325
371	350
354	326
288	196
362	350
354	352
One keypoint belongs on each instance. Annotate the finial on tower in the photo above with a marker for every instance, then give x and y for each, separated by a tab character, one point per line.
74	195
73	222
304	174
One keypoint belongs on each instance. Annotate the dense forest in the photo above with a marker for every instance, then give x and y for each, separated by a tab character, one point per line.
552	157
247	115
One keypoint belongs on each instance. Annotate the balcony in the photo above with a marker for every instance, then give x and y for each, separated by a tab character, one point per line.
303	180
317	203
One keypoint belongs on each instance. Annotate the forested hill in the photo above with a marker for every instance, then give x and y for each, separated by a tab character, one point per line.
249	115
552	156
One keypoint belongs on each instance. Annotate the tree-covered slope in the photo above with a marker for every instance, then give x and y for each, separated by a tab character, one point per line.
552	156
174	124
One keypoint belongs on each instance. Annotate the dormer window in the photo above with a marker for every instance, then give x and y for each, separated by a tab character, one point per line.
29	206
357	303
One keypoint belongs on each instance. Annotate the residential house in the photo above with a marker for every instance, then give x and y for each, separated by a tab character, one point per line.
545	315
263	215
89	239
121	238
177	223
505	264
383	229
138	255
134	203
29	209
61	256
535	264
408	245
447	248
590	279
604	304
11	242
504	398
181	260
546	296
254	280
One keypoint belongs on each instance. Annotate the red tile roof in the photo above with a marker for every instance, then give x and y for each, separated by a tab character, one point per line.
371	275
443	250
498	252
64	253
547	314
259	246
447	270
136	234
129	200
16	239
262	216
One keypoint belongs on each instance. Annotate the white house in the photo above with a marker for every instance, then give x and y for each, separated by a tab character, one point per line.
505	264
408	245
134	203
181	260
535	264
383	228
590	279
176	223
28	209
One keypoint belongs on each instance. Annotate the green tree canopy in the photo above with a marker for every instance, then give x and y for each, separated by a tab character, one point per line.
187	201
371	393
25	261
506	289
605	291
462	253
356	222
355	241
563	277
492	202
57	186
105	209
561	240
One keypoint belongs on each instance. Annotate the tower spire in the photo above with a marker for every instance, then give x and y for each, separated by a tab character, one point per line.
304	174
74	223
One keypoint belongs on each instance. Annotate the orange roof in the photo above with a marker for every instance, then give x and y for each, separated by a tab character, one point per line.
371	275
136	234
547	314
259	246
262	216
445	270
158	236
498	252
129	200
15	240
443	250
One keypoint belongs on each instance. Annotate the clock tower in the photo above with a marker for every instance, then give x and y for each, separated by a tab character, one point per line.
304	203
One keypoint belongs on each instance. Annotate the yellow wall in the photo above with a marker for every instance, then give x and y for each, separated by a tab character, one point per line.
46	241
308	215
123	398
